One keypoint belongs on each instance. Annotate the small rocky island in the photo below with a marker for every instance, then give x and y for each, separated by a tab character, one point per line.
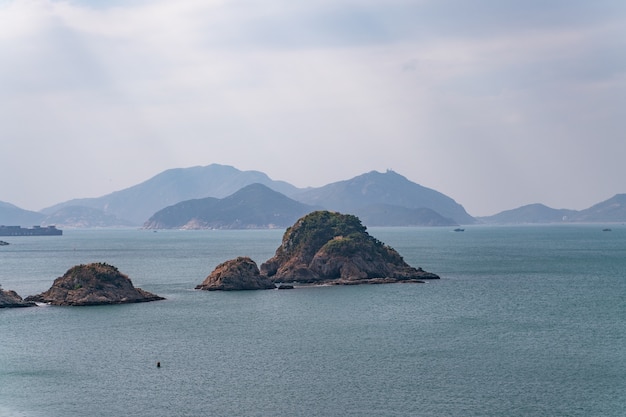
93	284
241	273
322	247
10	299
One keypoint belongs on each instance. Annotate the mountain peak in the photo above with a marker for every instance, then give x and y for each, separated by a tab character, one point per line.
389	188
139	202
253	206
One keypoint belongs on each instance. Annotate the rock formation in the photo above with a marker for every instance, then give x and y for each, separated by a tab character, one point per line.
322	247
93	284
333	248
10	299
241	273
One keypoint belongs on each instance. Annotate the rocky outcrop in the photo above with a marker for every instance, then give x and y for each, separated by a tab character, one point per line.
241	273
333	248
322	247
93	284
9	299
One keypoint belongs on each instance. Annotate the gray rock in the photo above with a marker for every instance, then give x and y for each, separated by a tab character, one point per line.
10	299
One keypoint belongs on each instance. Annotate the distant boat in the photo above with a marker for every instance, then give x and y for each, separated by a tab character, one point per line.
34	231
606	230
459	230
3	243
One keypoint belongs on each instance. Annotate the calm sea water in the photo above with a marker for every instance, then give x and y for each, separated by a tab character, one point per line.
526	321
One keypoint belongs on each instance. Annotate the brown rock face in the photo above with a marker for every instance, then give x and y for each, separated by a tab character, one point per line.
321	248
93	284
328	247
9	299
241	273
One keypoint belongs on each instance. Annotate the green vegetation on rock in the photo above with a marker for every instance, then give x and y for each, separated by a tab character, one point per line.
326	246
310	233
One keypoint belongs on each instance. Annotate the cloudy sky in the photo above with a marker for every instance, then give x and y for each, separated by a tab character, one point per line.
495	103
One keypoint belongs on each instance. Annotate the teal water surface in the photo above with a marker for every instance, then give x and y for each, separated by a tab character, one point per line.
526	321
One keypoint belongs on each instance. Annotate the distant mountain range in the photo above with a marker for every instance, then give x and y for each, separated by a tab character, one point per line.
532	213
378	198
137	203
612	210
220	196
365	194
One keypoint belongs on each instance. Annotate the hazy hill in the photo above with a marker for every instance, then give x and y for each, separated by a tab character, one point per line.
388	215
379	199
375	188
254	206
532	213
139	202
611	210
364	195
11	215
79	216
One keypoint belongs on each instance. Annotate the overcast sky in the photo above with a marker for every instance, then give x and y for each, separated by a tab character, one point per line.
494	103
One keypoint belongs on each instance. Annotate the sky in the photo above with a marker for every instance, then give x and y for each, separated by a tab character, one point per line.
495	103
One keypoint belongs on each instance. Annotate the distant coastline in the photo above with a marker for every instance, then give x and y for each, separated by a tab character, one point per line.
223	197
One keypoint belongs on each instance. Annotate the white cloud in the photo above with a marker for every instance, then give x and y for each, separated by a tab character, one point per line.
478	104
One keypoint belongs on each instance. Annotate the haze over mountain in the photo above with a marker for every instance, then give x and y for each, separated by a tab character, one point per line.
137	203
254	206
379	199
389	215
11	215
531	213
257	206
612	210
81	216
374	188
364	195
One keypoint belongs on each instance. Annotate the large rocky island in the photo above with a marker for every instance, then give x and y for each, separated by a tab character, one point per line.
93	284
9	299
322	247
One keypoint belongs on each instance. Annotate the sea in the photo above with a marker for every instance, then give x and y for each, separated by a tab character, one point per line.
525	321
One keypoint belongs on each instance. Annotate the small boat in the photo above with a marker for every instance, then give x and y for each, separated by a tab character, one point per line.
606	230
459	230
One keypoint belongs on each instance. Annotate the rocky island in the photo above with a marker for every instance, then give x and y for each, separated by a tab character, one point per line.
93	284
322	247
241	273
10	299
